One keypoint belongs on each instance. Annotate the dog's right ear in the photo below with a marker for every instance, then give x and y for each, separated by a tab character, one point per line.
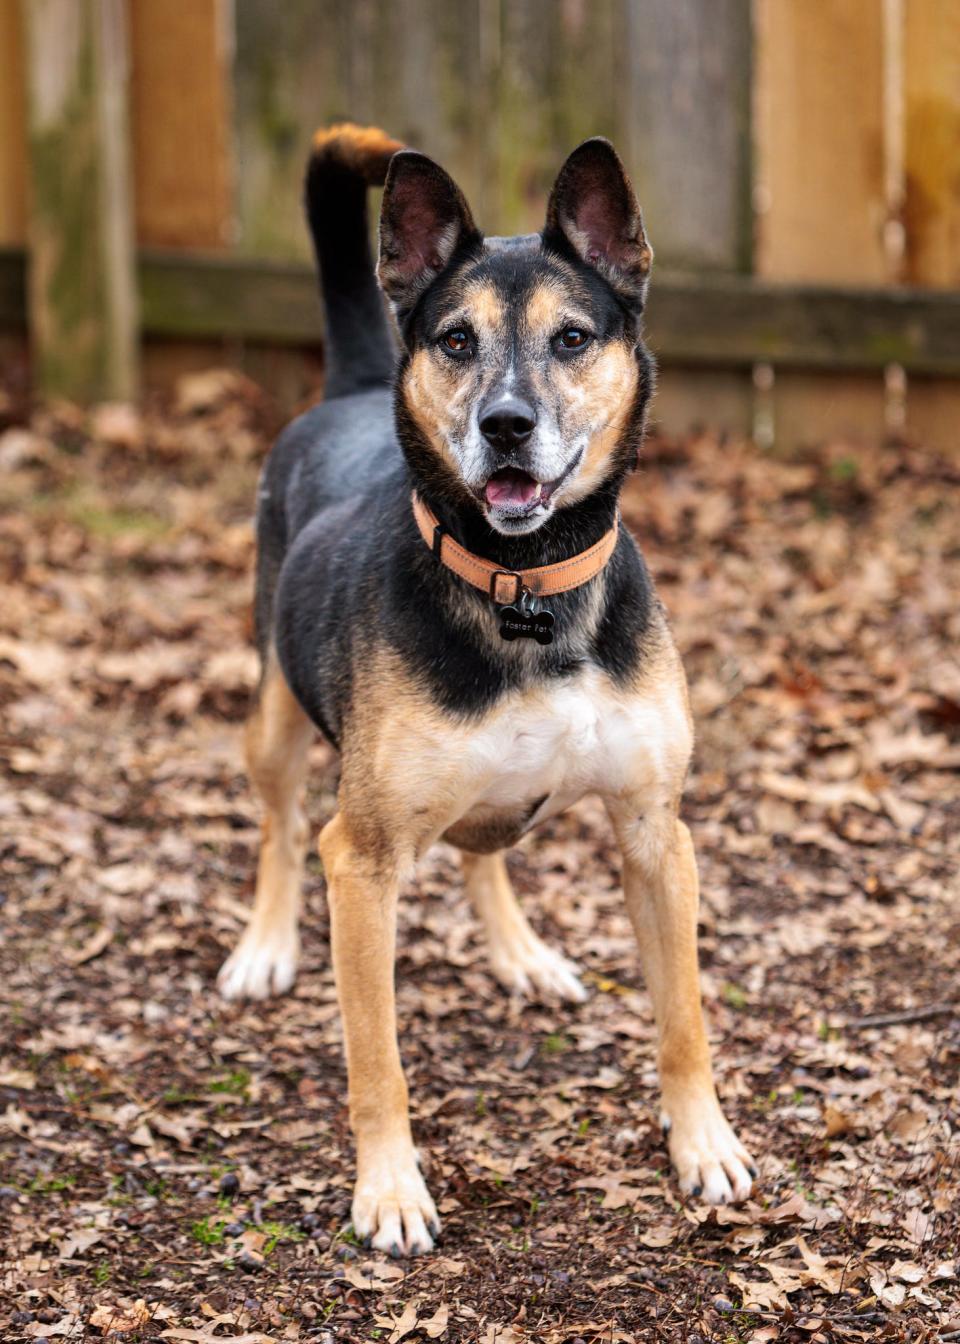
424	218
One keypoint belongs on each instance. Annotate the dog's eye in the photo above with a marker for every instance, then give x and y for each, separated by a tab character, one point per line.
572	338
456	342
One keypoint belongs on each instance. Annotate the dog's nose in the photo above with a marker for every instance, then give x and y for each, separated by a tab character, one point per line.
507	422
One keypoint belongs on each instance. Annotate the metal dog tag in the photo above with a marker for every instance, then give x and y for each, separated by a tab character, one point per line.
517	624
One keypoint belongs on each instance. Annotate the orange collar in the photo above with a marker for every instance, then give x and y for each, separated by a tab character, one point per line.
505	586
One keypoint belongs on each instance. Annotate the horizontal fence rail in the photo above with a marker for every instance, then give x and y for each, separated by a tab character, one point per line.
725	321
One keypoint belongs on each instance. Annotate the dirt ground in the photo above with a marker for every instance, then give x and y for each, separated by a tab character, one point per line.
175	1167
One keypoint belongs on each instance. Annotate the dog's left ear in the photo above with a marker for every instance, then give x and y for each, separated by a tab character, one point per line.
593	207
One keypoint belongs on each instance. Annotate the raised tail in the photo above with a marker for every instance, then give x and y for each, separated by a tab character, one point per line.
345	160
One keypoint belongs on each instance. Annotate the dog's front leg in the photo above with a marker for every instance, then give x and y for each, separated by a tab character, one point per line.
391	1204
662	893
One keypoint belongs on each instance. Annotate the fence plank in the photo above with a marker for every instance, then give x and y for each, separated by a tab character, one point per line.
726	322
932	92
82	283
819	138
181	112
13	131
500	91
688	130
932	207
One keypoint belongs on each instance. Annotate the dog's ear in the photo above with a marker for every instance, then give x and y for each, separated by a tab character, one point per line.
423	220
594	209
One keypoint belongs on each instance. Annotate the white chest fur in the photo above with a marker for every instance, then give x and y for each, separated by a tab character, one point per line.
578	736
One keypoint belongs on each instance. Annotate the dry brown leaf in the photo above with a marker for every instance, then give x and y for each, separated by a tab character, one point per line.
98	942
402	1325
121	1319
436	1325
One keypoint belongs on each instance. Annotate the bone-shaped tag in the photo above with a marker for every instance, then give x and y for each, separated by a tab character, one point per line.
516	624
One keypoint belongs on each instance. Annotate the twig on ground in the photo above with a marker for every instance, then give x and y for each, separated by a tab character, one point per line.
907	1015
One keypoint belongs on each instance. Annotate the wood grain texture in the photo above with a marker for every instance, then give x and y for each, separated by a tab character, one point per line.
13	127
812	408
933	413
690	397
82	285
819	136
932	93
500	93
728	322
688	89
181	120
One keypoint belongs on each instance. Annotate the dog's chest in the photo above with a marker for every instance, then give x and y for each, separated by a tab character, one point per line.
575	737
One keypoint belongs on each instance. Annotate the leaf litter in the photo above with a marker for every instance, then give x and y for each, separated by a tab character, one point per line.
172	1167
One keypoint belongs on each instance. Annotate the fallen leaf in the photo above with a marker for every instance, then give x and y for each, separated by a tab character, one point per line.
97	942
437	1324
121	1319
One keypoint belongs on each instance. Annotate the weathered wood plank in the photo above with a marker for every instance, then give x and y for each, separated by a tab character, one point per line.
933	413
729	321
687	136
500	93
693	398
811	407
932	141
82	290
13	129
819	135
181	110
13	288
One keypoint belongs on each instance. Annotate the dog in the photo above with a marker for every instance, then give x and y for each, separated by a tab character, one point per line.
444	590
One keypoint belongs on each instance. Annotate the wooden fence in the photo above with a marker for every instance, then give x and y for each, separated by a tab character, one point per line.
798	162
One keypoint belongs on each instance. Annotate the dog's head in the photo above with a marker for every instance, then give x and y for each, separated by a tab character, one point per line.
524	379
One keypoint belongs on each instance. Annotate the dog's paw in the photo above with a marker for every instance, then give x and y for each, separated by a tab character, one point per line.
392	1209
527	966
710	1161
259	966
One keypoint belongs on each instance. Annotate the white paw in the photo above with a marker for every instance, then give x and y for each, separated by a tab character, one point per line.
711	1162
392	1209
529	967
260	966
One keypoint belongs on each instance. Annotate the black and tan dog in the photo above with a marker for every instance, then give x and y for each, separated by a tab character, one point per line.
443	590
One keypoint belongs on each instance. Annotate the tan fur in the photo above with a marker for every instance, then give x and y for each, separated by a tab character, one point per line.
365	149
439	400
606	387
519	959
278	738
484	306
411	773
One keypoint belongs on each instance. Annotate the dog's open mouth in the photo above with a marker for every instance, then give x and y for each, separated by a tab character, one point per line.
512	488
517	491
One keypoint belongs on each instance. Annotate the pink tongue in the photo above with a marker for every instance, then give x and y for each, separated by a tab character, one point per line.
511	487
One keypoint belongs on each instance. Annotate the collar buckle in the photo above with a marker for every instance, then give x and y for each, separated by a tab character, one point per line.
495	591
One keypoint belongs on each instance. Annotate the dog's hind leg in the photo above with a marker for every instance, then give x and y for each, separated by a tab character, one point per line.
278	739
521	961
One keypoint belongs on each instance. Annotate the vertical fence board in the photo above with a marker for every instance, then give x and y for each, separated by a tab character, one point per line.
181	109
818	107
500	91
932	93
809	408
82	295
819	138
932	208
13	131
688	127
696	398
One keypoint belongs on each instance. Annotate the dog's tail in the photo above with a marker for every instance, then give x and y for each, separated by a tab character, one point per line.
345	160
